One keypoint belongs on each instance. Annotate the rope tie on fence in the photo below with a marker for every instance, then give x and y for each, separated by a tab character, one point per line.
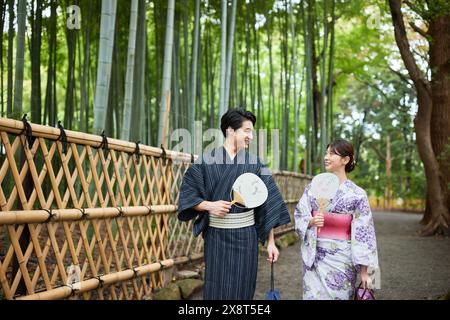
27	130
62	136
135	271
163	155
72	289
104	145
51	215
100	281
121	213
150	210
137	153
161	264
84	215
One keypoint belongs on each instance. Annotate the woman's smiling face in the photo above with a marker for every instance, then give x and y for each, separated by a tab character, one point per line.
335	162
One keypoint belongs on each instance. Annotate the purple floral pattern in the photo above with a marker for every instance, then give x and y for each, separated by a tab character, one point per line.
340	280
366	234
321	253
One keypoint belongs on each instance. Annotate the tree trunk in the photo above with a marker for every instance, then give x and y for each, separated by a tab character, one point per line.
271	111
246	64
36	24
84	85
330	76
193	89
388	193
129	77
314	81
323	124
186	86
112	99
54	115
70	83
157	14
199	86
10	85
285	126
176	59
20	55
107	30
234	76
229	55
148	94
439	53
294	67
223	64
207	77
167	72
422	124
309	129
2	22
259	101
137	111
211	73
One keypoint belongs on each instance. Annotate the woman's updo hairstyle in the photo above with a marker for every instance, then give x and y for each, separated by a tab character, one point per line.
344	148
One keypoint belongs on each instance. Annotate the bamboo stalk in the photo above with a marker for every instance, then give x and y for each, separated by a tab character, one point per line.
186	259
41	216
94	283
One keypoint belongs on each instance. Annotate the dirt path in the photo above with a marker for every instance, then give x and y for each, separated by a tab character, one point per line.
412	267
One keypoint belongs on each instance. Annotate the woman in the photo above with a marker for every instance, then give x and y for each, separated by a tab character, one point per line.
331	260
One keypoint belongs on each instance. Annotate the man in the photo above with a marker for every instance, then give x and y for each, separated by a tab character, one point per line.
231	249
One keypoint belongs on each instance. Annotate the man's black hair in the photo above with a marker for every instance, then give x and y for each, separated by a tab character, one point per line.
234	118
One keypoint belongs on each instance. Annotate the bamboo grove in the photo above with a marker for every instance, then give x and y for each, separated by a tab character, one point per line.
310	69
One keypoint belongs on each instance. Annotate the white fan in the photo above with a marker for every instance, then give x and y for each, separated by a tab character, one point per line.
249	191
324	187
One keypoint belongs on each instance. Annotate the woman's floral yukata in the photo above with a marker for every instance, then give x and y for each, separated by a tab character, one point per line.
329	265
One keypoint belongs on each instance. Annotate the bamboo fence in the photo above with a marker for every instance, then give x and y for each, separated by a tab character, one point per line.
89	217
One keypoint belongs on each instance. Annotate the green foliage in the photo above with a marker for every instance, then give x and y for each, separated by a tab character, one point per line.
362	82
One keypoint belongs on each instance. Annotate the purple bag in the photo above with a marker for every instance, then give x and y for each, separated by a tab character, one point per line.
364	293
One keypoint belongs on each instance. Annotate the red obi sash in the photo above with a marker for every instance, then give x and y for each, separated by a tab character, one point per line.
335	226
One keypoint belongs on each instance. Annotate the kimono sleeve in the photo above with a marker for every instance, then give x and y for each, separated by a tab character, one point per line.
302	215
192	192
273	212
364	244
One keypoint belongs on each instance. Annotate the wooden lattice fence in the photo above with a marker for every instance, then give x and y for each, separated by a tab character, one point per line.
91	217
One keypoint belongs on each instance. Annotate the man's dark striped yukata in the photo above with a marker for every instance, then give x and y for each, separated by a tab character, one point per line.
231	255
